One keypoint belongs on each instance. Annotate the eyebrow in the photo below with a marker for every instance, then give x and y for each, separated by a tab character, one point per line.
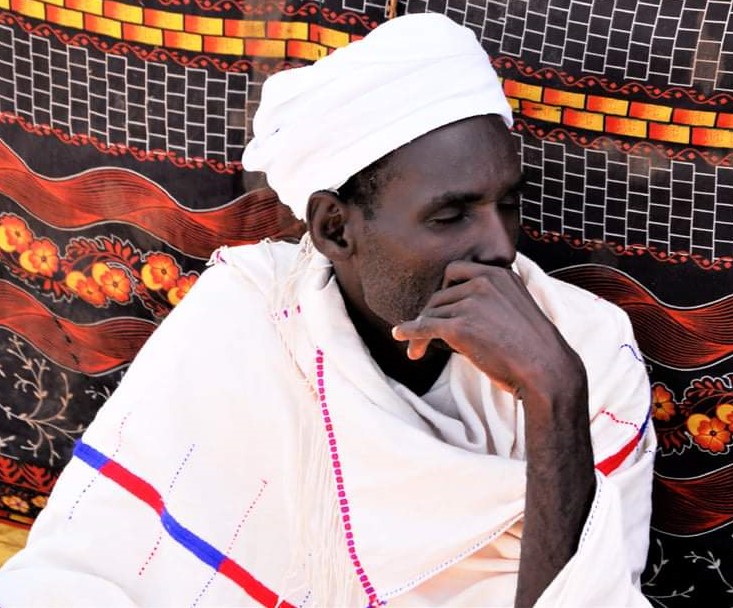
459	198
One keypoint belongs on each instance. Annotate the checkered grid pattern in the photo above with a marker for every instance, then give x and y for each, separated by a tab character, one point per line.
684	43
195	113
628	198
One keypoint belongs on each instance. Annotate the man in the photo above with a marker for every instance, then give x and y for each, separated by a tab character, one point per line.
399	409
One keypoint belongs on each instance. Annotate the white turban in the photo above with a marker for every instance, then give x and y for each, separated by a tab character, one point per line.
316	126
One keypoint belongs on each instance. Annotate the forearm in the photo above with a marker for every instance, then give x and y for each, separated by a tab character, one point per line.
560	483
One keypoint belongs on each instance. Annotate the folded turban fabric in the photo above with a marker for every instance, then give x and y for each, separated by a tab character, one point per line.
316	126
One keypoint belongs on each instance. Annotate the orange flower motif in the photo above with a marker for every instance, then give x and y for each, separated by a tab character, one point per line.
16	504
712	435
89	291
41	258
725	412
160	272
114	282
183	286
14	234
662	403
39	501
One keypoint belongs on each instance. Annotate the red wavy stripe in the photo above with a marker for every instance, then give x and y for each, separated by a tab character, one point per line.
117	195
693	506
93	349
683	338
723	262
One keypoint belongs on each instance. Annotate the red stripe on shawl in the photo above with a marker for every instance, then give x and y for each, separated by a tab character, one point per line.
141	489
255	589
613	462
133	484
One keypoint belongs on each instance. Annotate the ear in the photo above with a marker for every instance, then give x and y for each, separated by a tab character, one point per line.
327	217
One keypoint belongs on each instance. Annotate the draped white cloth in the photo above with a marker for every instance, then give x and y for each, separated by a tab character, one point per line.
254	449
318	125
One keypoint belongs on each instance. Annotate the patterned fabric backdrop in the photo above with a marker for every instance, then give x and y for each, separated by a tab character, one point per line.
122	124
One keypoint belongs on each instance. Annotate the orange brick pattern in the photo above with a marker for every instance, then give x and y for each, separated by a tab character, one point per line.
129	21
621	117
125	20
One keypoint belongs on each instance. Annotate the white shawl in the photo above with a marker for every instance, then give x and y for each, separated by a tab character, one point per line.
254	450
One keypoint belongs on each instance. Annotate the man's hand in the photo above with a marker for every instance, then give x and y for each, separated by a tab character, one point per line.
486	314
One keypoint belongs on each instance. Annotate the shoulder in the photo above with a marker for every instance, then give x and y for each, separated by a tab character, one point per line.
599	331
581	316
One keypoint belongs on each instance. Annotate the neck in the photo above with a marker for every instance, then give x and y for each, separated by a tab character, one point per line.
391	356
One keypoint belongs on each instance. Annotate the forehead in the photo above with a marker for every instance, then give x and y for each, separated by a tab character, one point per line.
476	155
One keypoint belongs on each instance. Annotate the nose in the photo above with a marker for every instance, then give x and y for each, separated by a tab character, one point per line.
495	236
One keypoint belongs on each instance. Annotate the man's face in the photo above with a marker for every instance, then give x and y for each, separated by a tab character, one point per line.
451	195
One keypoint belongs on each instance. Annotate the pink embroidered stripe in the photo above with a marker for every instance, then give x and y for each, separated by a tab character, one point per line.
343	500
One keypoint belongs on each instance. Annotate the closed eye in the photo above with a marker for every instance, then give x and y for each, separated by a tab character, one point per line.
449	216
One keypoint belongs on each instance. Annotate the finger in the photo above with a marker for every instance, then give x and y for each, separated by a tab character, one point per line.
460	271
416	347
428	325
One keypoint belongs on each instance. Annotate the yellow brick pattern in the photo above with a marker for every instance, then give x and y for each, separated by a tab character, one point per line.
65	17
264	48
305	50
716	138
563	98
328	37
237	28
620	117
123	12
210	26
725	121
163	19
182	40
630	127
95	7
649	111
694	117
287	30
127	20
142	34
222	45
520	90
583	120
541	112
29	8
672	133
607	105
103	26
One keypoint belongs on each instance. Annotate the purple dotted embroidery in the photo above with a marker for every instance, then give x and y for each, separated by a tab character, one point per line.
251	506
97	473
249	510
633	352
340	489
159	538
